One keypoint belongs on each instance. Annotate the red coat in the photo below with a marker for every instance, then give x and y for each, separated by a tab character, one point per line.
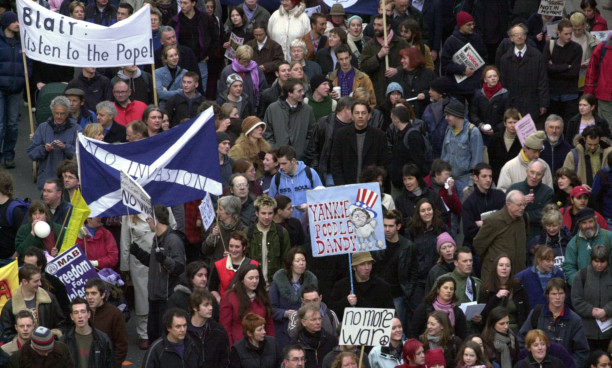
228	316
599	23
226	276
102	248
452	202
192	215
567	218
599	84
133	111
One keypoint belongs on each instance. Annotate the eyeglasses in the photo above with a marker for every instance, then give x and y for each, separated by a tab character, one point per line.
298	360
241	185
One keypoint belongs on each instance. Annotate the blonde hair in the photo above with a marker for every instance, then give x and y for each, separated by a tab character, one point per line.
92	130
361	93
244	52
578	20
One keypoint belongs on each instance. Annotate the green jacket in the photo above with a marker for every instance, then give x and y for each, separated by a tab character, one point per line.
375	68
25	239
276	250
461	282
578	252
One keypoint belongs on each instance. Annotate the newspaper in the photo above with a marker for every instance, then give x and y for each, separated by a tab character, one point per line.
234	41
467	56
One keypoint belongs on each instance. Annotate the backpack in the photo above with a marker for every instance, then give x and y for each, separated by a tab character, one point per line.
277	177
17	202
279	230
419	126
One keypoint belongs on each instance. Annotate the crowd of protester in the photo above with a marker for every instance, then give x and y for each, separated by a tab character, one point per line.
476	211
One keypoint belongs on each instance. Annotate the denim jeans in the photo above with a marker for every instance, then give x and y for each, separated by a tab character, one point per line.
9	119
204	74
400	309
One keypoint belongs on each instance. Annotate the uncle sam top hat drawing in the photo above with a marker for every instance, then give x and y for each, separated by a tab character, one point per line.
365	201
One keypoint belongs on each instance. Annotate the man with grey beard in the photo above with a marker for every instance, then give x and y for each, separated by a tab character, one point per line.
577	254
555	147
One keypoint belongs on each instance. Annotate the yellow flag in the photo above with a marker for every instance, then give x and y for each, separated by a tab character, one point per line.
9	282
80	212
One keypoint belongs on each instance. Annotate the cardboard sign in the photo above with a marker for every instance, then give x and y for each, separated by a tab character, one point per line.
467	56
366	326
552	7
345	219
134	196
73	269
311	11
234	41
207	211
524	128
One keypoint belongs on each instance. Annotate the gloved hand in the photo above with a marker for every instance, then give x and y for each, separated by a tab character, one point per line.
134	248
160	254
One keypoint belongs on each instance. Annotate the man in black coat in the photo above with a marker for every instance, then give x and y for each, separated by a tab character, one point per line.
315	341
113	131
271	95
163	352
184	105
463	35
204	329
523	73
357	146
369	292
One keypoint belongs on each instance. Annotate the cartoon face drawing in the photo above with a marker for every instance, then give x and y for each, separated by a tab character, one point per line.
359	217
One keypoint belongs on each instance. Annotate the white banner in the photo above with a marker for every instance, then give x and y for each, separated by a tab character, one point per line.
552	7
468	56
56	39
207	211
134	196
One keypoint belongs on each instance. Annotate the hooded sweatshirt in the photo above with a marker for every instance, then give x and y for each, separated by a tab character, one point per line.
295	186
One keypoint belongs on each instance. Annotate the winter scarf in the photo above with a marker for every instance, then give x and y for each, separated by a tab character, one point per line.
503	343
491	91
447	308
251	68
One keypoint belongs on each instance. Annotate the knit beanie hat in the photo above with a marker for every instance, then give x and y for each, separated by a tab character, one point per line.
440	85
394	86
9	18
434	357
222	136
535	141
443	239
316	81
455	108
42	339
233	78
250	123
463	18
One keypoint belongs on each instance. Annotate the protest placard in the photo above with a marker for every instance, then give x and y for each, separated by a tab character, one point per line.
467	56
9	282
56	39
366	326
74	269
311	11
234	42
345	219
551	7
600	35
551	30
134	196
207	211
524	128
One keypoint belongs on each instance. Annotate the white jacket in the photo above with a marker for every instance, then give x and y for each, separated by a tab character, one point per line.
515	171
284	27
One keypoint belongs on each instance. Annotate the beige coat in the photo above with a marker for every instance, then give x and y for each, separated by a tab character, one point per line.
515	171
500	233
581	172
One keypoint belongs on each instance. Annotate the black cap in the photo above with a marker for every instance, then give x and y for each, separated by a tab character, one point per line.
585	214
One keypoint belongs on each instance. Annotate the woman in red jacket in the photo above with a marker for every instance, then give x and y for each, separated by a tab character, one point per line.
248	295
99	244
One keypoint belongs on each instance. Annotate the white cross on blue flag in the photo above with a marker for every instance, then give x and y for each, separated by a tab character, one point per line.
174	167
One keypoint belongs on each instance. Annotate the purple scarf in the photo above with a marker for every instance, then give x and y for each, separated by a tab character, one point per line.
253	69
446	308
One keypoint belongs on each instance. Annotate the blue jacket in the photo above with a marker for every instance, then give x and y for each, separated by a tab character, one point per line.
450	68
555	156
12	78
437	124
464	150
567	330
164	79
87	116
606	206
532	284
48	161
295	186
107	17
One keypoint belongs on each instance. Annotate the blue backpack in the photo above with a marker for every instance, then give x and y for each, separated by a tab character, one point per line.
17	202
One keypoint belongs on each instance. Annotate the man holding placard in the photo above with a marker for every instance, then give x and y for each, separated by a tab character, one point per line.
365	291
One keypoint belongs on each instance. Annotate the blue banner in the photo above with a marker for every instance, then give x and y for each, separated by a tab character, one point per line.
74	269
173	167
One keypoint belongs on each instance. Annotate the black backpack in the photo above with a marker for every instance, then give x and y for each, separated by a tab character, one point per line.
419	126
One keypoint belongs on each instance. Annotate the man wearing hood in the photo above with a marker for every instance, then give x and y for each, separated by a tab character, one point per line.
184	105
293	180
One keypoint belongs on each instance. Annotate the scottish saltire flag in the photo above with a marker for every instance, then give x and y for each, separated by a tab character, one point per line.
174	167
361	7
